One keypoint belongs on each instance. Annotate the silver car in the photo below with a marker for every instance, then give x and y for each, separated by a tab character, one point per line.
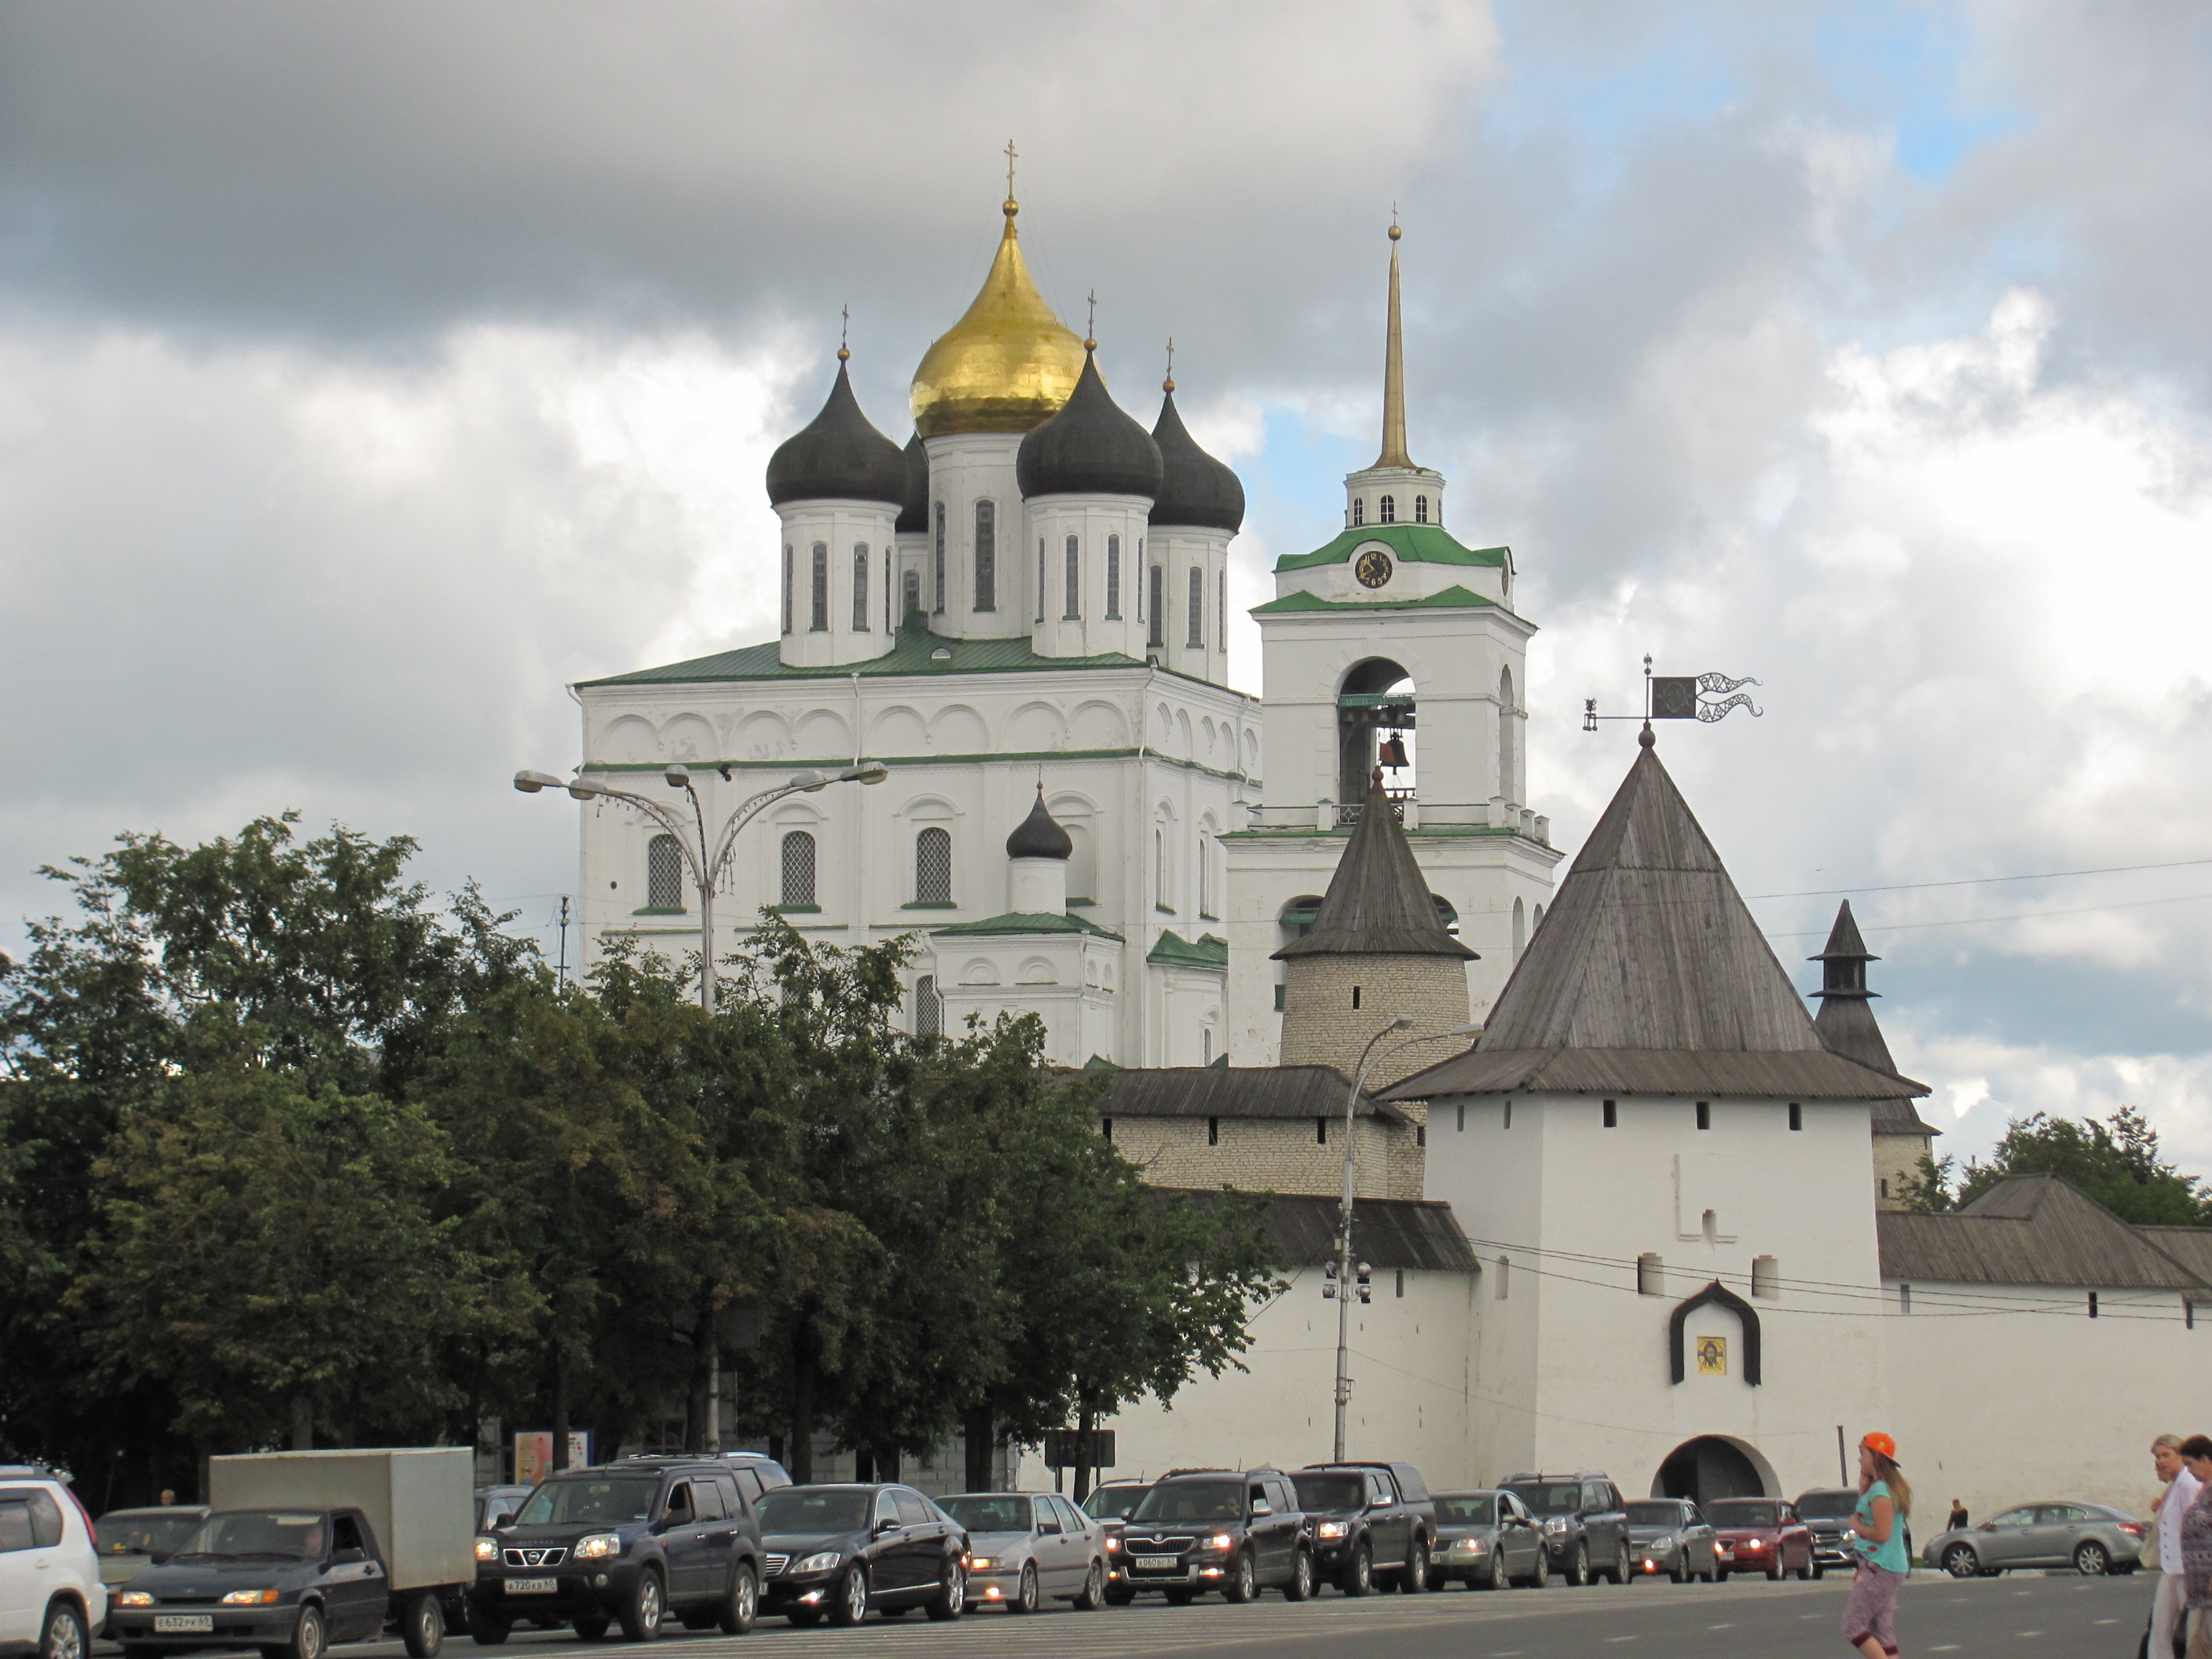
131	1540
2091	1538
1668	1534
1027	1547
1486	1540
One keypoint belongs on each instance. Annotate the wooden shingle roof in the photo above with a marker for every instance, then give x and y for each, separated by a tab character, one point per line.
1377	903
1387	1233
2039	1229
1282	1091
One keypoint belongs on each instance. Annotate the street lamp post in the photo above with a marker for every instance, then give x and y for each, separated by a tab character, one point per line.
1344	1272
705	867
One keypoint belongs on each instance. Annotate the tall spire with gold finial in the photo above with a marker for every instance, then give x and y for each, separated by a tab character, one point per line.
1394	371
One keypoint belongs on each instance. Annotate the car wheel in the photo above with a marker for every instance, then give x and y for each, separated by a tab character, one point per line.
952	1598
1774	1569
1026	1594
423	1626
1094	1590
2092	1560
1539	1576
1301	1585
640	1613
1497	1580
742	1605
1820	1571
1679	1572
1119	1595
1621	1565
1243	1584
1416	1578
1960	1561
1360	1576
63	1636
592	1629
307	1641
1578	1570
850	1604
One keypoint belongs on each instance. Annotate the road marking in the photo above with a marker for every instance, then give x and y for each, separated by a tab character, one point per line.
1944	1647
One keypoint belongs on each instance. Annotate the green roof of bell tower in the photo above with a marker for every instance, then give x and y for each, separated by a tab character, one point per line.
1413	544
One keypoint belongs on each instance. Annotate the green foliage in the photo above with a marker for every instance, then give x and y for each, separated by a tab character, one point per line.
1927	1190
2116	1161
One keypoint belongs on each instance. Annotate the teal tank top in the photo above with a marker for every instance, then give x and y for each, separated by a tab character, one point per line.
1892	1554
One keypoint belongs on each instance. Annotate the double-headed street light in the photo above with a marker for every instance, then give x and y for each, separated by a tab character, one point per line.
691	838
1343	1288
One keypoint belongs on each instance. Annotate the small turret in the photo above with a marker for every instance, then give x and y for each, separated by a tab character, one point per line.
1039	850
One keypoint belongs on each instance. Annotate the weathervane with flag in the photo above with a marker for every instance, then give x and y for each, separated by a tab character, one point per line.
1681	697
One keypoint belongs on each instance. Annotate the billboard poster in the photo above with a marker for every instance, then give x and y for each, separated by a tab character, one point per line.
534	1454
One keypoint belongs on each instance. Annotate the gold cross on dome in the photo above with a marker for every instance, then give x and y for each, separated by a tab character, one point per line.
1011	153
1091	324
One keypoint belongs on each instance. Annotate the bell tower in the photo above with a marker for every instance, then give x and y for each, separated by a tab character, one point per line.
1394	641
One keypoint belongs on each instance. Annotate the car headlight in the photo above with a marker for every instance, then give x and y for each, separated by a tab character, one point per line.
135	1599
253	1598
1333	1529
980	1563
598	1546
1556	1527
1220	1540
1114	1545
487	1549
821	1563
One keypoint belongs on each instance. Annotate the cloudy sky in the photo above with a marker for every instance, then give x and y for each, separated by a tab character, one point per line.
368	373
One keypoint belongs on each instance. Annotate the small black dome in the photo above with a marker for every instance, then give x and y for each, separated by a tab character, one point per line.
914	508
1195	488
1037	836
1089	448
837	456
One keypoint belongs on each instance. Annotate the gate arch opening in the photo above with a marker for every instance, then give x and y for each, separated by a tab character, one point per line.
1715	1466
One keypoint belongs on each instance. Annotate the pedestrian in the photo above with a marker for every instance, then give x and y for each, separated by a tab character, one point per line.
2196	1547
1878	1536
169	1497
2169	1606
1961	1520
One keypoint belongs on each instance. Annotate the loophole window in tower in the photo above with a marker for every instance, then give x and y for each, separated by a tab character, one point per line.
1197	607
987	556
932	866
1156	623
1075	580
937	602
859	587
664	874
1114	578
797	869
819	620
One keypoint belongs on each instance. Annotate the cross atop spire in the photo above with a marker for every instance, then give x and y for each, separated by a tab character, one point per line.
1393	369
1168	384
1091	324
844	336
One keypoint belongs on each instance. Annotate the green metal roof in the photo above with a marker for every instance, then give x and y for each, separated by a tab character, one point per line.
1450	598
1207	951
1026	922
913	653
1413	544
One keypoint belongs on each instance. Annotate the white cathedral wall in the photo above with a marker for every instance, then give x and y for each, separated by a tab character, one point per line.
1581	1377
1996	1407
1108	532
841	529
965	468
1177	550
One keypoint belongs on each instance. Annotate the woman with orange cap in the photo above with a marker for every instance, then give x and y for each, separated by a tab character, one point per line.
1878	1536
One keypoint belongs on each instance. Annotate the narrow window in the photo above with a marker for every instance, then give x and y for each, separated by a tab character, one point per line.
1355	996
1797	1117
1904	1298
1612	1115
664	874
1162	888
1402	1284
1320	1131
1766	1277
929	1017
1075	580
937	603
1420	1134
987	556
1358	511
890	616
1504	1277
1113	579
797	869
1520	929
859	587
1157	628
786	587
1650	1274
1885	1185
1712	1227
1106	1124
1704	1114
1386	510
820	608
932	866
2093	1304
1421	509
1509	1113
1221	611
2188	1313
913	592
1208	1036
1140	583
1213	1125
1197	607
1040	615
1463	1118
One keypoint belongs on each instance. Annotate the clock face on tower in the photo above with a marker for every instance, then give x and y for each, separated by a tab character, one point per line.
1373	569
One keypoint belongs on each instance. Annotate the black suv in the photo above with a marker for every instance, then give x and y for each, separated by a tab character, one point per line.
1585	1524
1373	1523
1217	1529
634	1541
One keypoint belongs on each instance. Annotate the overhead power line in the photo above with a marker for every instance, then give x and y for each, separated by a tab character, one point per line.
1980	881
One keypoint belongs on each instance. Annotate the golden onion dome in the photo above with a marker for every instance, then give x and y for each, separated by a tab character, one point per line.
1007	365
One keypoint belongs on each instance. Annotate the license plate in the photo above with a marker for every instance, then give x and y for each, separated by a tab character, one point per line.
184	1624
532	1586
1158	1563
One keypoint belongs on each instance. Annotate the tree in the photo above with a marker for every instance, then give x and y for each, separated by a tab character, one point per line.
1927	1190
2116	1161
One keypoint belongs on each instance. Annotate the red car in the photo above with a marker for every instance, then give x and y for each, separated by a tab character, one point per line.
1761	1535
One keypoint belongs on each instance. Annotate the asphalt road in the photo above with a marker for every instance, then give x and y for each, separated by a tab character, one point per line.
2065	1617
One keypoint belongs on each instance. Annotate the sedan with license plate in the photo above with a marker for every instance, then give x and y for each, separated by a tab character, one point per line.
1668	1535
836	1552
2090	1538
1486	1540
1027	1549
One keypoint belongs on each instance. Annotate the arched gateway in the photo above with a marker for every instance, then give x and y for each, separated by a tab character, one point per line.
1715	1466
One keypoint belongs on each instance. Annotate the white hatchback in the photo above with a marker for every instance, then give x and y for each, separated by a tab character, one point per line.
51	1600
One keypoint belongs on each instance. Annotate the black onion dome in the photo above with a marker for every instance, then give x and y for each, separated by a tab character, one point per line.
1037	836
1195	488
837	456
1089	448
914	507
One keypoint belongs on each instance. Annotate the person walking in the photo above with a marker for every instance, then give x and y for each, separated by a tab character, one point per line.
1878	1536
1961	1520
2169	1606
2196	1547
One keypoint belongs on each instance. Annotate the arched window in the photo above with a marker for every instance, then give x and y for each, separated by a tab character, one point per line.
1421	509
1156	627
1207	896
890	616
987	556
1509	739
797	869
936	599
1358	511
1140	586
1114	578
913	595
786	587
664	874
1161	888
1040	579
821	602
1075	580
1197	606
859	587
1221	631
929	1007
1520	929
1386	510
1536	926
932	866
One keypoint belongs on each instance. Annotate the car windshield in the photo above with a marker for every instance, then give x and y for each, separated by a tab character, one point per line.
1549	1496
996	1513
1193	1500
1654	1515
1466	1512
591	1500
1114	1503
1743	1512
807	1512
290	1534
1329	1491
1827	1505
143	1534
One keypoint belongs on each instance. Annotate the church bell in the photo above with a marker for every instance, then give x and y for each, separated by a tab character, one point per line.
1392	753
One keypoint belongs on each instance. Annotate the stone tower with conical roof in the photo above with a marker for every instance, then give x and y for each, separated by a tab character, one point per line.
1847	1023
